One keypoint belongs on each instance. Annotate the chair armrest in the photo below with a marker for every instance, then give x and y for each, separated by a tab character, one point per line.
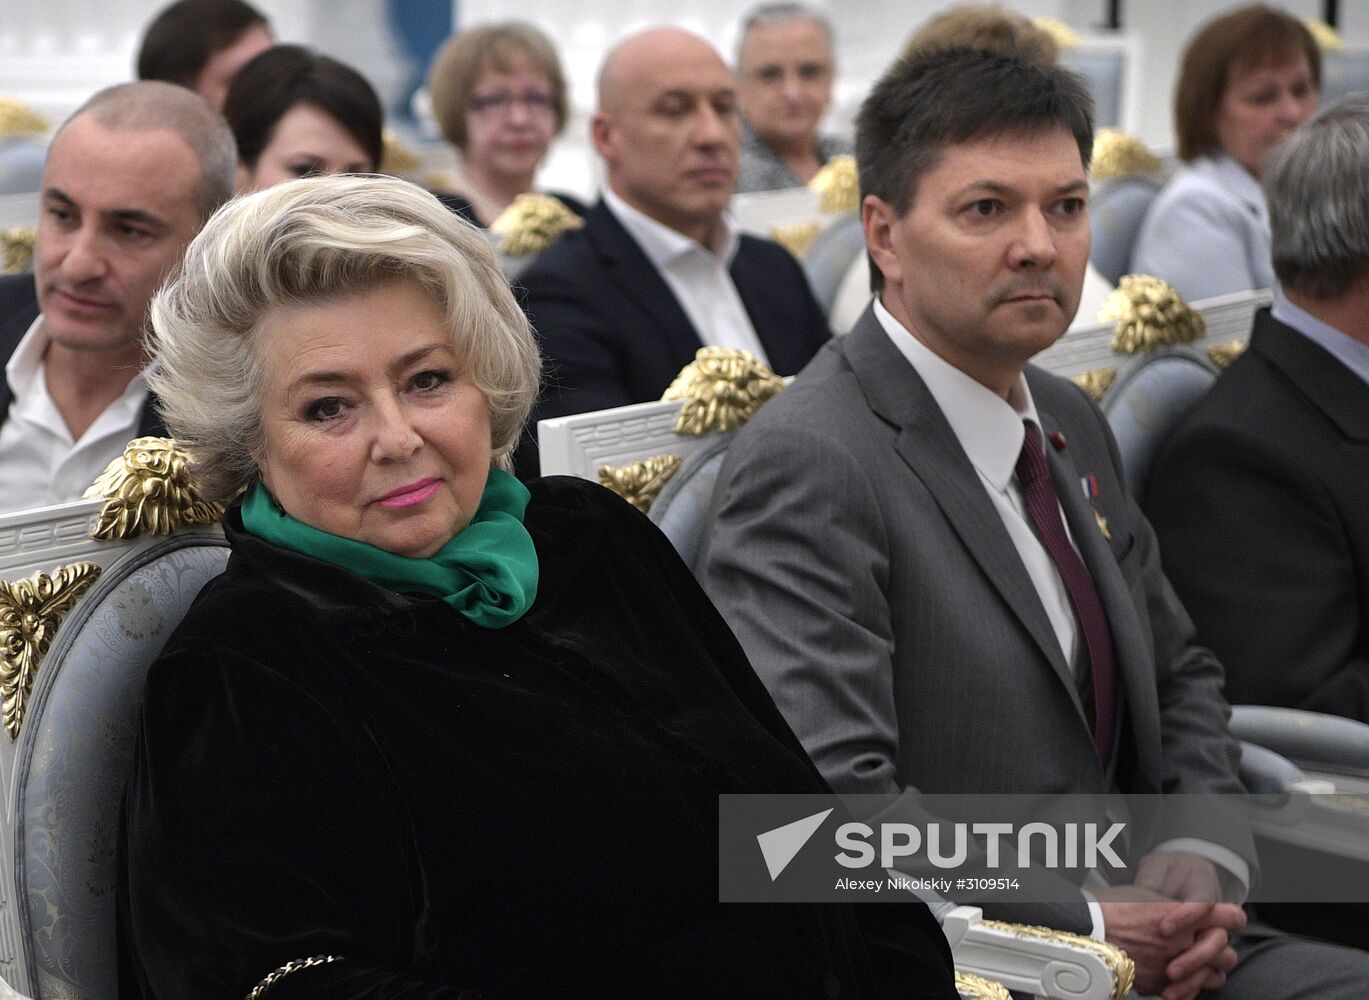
1037	960
1313	741
967	984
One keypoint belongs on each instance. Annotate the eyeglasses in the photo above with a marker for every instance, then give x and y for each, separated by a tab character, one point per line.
501	102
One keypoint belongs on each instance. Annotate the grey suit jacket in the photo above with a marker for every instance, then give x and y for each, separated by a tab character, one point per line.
860	561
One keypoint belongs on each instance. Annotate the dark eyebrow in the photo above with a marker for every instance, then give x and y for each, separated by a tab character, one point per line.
135	215
998	188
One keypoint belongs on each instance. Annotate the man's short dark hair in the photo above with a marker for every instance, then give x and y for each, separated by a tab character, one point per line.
932	100
183	37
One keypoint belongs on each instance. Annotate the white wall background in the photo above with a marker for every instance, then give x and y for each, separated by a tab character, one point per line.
53	53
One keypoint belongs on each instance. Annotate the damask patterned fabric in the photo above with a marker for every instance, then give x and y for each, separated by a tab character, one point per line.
75	749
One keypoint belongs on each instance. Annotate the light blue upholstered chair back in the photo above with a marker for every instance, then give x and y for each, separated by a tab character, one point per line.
91	592
1148	400
21	164
1116	210
681	510
74	753
829	258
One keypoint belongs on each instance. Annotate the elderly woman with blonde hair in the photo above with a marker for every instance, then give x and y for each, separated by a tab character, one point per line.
433	733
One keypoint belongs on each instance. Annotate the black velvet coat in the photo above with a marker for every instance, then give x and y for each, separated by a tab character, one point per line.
326	767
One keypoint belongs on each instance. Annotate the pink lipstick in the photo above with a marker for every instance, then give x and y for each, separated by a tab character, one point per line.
408	496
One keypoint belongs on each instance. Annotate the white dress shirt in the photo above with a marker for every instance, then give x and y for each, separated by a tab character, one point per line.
697	275
40	463
991	431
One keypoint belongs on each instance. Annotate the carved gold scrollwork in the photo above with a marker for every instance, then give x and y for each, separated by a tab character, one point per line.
837	185
639	483
30	611
532	223
1149	314
1096	382
967	984
148	489
1223	354
396	157
1119	963
796	238
17	118
18	248
1066	38
1120	154
1328	39
722	387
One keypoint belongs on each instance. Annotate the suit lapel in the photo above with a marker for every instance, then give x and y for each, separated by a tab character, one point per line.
18	310
639	281
785	348
927	444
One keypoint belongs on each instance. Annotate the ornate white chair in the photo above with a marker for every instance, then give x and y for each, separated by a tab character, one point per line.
89	592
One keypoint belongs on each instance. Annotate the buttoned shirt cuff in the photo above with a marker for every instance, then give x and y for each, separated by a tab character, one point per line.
1096	915
1233	872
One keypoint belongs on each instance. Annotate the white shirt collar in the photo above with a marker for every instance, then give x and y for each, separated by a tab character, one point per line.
663	245
25	374
988	427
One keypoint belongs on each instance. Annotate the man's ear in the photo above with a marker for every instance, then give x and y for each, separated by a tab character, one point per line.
877	218
601	134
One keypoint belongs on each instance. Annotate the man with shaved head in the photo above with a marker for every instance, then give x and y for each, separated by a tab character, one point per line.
659	270
129	180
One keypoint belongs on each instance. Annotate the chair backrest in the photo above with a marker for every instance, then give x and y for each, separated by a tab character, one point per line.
1088	348
1117	208
828	259
21	164
1344	72
1147	402
72	680
664	456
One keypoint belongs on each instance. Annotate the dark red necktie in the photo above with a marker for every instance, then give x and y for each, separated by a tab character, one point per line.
1044	507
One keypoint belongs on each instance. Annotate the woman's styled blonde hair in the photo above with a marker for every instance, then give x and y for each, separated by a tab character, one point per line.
318	240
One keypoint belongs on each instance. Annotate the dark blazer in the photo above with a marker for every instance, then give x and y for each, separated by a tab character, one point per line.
613	333
1261	502
324	766
18	310
876	591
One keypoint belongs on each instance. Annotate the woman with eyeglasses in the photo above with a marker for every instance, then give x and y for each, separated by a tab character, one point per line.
499	96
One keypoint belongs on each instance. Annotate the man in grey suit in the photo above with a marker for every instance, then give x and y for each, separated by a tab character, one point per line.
927	550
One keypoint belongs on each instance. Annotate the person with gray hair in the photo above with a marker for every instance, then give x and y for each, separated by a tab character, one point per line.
785	70
129	179
1261	497
430	727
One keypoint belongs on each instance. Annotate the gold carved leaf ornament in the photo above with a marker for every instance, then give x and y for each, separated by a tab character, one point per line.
148	489
722	388
837	185
532	223
1149	313
967	984
1120	154
639	483
30	612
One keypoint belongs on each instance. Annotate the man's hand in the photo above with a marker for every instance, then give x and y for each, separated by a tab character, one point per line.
1181	876
1179	948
